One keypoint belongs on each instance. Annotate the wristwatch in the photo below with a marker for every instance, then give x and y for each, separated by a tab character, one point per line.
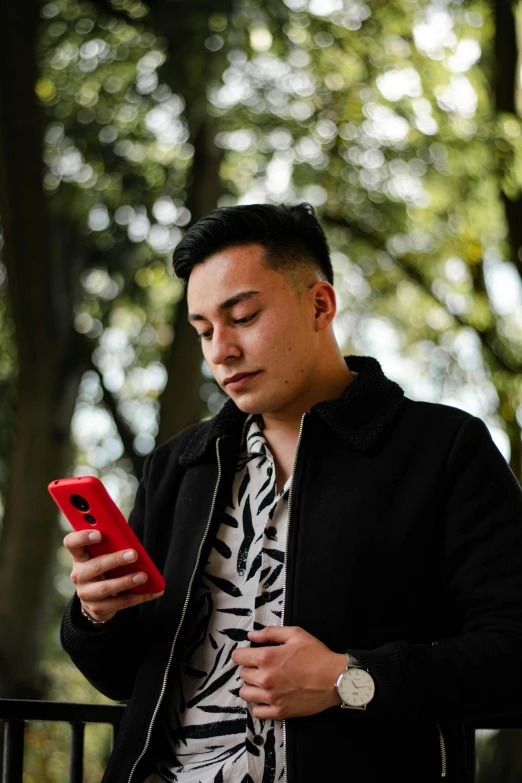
355	686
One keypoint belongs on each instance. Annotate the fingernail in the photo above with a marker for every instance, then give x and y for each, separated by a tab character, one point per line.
157	595
130	555
94	536
139	578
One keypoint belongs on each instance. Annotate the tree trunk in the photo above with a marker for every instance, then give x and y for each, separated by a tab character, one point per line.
49	364
41	453
505	82
506	61
504	759
181	404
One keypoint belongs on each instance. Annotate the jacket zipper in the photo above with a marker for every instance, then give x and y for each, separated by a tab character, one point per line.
178	629
290	497
442	743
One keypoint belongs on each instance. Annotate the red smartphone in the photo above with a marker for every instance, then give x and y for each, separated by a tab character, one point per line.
88	506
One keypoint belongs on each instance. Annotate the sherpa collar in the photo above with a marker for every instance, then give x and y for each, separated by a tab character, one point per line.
359	415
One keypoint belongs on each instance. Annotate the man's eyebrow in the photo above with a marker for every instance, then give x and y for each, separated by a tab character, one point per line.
227	304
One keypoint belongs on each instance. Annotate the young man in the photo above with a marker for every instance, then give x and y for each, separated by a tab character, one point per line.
343	565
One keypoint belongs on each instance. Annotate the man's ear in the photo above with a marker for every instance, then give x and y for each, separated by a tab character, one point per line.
324	304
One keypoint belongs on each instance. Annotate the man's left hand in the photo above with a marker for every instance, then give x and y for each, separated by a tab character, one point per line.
295	678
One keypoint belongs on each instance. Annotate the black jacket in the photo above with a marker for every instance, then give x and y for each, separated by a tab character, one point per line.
417	571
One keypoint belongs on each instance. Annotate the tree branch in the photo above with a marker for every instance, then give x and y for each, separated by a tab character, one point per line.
124	431
506	56
488	337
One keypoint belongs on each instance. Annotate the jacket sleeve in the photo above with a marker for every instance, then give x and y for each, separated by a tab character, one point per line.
109	655
477	673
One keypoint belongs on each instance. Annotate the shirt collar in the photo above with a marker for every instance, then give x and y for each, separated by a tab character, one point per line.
254	442
360	415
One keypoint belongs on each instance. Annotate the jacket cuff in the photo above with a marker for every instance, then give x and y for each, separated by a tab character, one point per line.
81	639
393	687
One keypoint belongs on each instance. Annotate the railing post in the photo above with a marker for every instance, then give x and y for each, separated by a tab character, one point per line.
76	759
115	727
15	713
14	752
472	757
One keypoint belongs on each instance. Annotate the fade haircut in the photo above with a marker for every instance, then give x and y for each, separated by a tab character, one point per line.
291	236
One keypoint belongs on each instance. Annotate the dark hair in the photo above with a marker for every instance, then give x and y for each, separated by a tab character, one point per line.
291	235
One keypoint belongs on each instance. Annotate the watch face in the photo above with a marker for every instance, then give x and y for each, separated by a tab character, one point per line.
356	687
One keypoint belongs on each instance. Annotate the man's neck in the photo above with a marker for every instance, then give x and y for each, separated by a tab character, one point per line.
287	422
281	430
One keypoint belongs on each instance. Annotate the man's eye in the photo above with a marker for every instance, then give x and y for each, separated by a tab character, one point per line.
238	321
245	320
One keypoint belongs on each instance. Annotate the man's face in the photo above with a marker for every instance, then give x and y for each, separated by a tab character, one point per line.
257	332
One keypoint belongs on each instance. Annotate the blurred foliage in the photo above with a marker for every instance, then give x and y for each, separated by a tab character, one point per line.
499	756
7	378
116	162
382	115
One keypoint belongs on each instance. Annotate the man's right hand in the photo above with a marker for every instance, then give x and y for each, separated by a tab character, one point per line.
101	596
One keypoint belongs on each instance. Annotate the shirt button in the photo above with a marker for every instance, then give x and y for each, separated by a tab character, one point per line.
265	595
258	739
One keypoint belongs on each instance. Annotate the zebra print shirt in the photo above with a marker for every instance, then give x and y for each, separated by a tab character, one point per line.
211	732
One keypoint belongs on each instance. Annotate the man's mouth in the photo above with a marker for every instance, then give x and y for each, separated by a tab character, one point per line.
235	382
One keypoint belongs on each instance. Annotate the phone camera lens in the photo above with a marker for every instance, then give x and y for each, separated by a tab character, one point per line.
89	518
79	503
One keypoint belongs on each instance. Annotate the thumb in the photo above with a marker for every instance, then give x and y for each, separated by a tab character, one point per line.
272	633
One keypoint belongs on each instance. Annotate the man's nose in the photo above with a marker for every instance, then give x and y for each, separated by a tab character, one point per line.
223	346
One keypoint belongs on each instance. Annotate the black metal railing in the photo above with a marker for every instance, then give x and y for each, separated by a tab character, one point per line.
16	712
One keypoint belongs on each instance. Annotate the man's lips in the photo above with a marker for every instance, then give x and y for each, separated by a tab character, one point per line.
239	380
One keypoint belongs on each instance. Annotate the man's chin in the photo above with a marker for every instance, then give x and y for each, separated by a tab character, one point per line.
254	404
245	403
